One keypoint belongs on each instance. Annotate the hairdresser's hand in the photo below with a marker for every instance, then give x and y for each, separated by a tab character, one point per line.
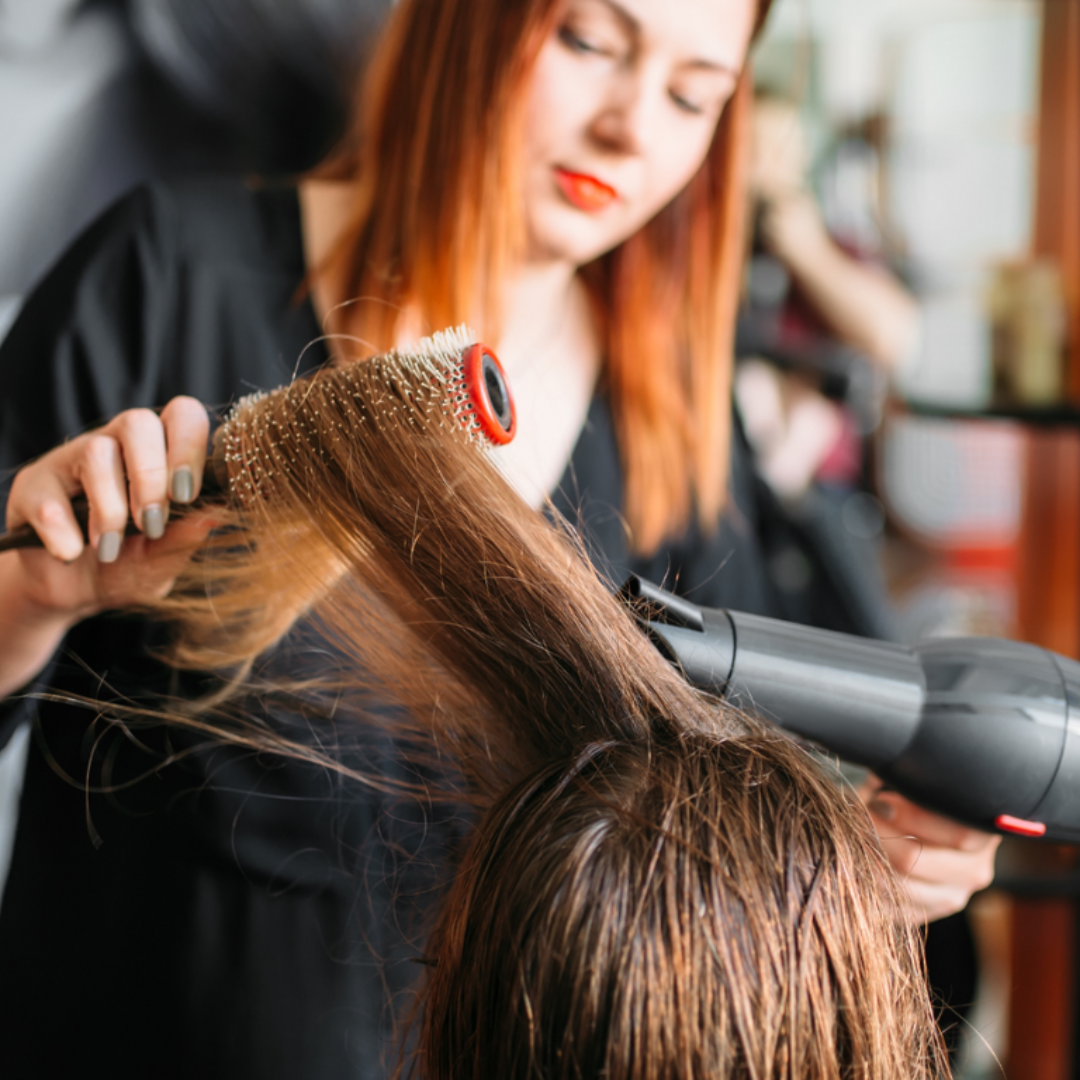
133	467
940	862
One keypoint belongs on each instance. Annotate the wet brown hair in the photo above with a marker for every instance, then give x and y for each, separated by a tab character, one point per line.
656	887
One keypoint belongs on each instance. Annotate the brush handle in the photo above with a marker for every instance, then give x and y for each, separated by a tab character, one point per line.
25	537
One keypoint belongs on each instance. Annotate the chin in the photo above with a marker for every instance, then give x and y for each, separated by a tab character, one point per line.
568	235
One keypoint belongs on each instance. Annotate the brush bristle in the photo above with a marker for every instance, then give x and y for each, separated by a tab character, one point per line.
433	353
422	384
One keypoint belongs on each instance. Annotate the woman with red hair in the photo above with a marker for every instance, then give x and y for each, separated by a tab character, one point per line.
565	176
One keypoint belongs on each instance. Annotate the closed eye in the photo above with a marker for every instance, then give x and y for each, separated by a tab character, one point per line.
576	43
702	96
687	106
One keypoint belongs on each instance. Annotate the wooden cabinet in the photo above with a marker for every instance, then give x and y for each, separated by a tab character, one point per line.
1044	1006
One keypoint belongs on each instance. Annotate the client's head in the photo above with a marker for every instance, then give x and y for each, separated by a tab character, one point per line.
690	906
657	888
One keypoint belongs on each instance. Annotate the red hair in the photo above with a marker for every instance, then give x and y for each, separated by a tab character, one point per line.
435	154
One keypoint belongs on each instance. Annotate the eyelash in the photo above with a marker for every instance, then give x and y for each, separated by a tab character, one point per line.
687	106
579	44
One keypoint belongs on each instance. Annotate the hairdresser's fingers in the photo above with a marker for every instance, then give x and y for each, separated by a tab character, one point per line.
915	858
936	897
937	882
187	428
141	437
41	494
40	498
930	902
904	816
66	592
939	879
149	568
98	469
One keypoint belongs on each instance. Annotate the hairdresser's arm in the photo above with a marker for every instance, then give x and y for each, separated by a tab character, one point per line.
135	466
940	862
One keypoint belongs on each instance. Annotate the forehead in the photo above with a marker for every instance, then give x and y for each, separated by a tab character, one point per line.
715	31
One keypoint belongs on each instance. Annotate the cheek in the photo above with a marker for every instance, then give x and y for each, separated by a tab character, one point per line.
674	165
557	104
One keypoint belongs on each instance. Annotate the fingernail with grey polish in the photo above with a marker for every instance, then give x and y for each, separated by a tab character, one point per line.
108	547
153	522
183	485
882	809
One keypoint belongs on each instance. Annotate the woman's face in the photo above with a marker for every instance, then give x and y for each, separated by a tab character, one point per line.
622	108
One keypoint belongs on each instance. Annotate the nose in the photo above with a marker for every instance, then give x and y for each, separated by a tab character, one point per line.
628	116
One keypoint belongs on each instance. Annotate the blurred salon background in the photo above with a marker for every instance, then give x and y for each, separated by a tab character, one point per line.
909	346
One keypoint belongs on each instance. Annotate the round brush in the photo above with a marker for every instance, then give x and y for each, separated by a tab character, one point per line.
448	378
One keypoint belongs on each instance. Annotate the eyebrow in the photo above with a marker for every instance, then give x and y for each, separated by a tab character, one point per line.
701	63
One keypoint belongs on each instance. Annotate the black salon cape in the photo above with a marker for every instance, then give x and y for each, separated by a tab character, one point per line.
228	915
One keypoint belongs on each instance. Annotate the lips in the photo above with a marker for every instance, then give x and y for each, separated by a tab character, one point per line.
584	191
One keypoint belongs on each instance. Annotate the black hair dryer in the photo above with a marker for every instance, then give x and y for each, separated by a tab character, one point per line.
983	730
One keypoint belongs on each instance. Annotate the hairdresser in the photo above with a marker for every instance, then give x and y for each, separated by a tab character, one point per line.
565	177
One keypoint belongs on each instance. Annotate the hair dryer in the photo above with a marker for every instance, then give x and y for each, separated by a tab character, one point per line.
982	730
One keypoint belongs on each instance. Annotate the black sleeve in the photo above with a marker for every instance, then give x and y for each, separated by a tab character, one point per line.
795	560
86	345
92	336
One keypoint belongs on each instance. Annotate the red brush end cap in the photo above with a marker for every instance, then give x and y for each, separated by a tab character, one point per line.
489	393
1019	826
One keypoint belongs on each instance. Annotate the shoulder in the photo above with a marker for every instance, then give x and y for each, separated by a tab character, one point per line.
142	254
149	234
226	220
204	220
151	301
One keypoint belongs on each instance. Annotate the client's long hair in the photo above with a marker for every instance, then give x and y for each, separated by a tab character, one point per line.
656	887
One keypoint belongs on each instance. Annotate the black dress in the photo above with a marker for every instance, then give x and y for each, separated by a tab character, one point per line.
227	915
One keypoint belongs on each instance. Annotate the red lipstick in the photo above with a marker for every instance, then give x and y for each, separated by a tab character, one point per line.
584	191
